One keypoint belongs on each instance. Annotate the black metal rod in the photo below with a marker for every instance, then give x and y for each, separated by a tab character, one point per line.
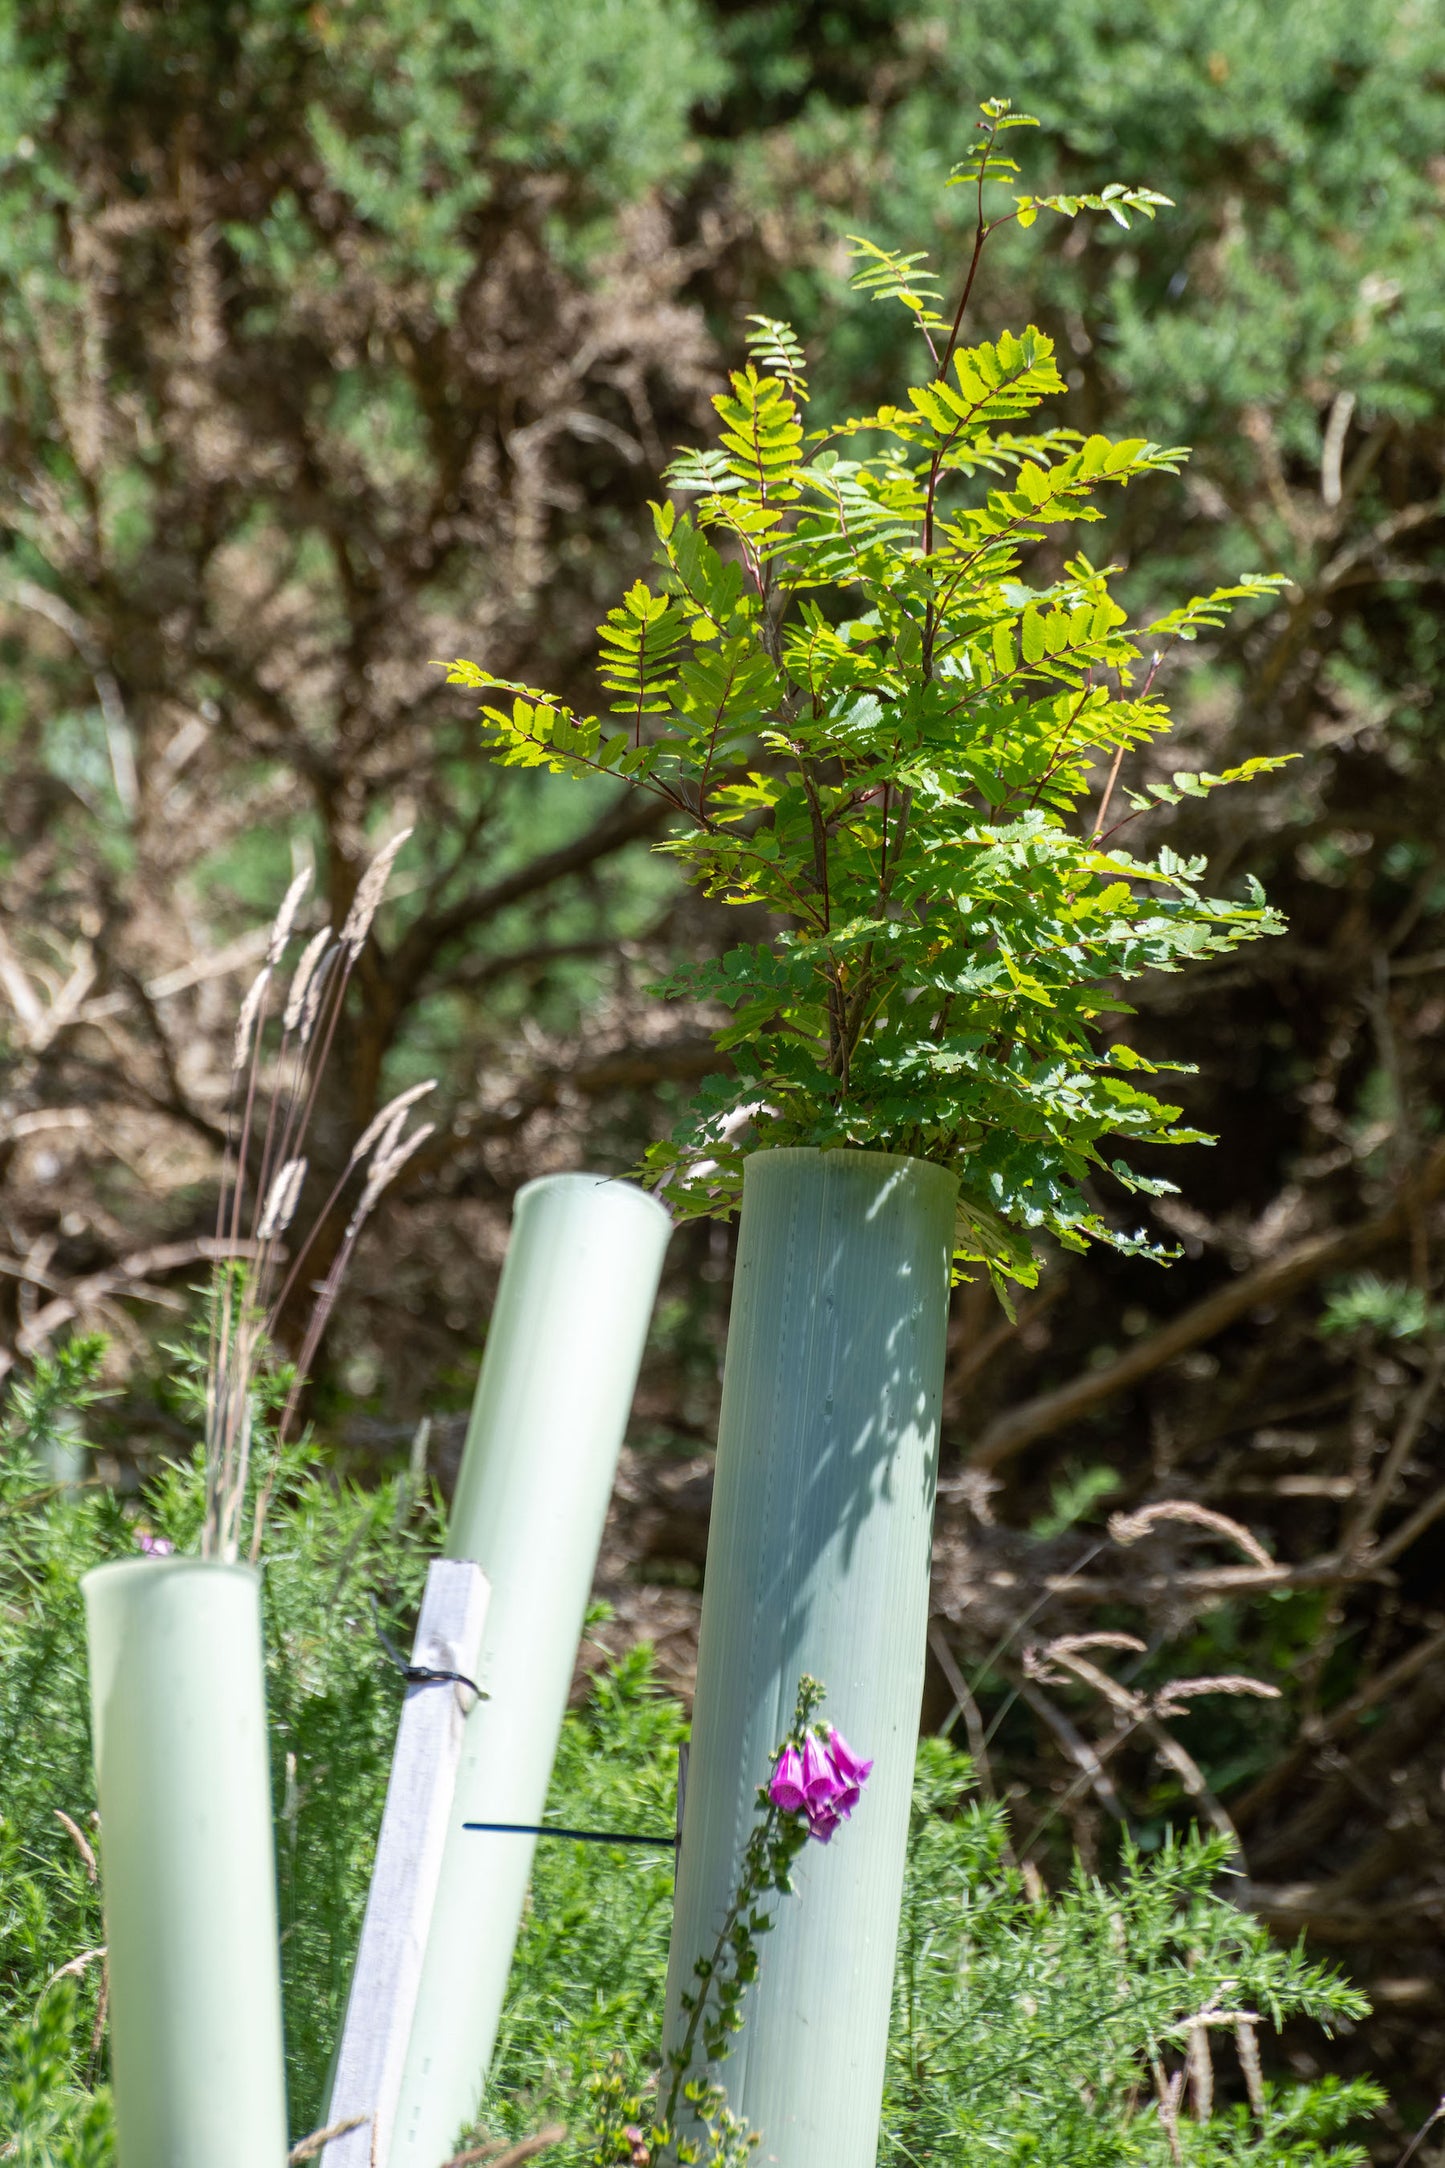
578	1836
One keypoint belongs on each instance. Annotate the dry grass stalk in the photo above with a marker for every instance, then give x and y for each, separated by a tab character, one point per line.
82	1844
498	2154
246	1303
1136	1711
1435	2116
1171	1701
1126	1528
1249	2063
246	1020
1169	2092
390	1154
76	1966
387	1114
281	1200
1074	1644
1201	2074
308	2147
369	892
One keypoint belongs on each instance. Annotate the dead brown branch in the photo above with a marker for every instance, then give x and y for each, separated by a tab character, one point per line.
1282	1276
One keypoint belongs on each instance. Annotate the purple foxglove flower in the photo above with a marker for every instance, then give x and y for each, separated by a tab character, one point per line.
822	1824
821	1784
786	1789
849	1770
845	1761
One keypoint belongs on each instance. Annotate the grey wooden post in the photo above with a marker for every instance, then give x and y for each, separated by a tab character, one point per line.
382	2002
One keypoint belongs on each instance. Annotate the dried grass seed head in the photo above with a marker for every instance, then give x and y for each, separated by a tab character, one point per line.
385	1116
246	1021
1075	1644
369	892
286	916
282	1199
1127	1528
384	1169
1173	1697
302	976
320	980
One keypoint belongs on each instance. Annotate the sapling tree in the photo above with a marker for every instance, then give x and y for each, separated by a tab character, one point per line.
886	697
886	694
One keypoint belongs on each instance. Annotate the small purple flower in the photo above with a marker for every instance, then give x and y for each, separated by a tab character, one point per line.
852	1773
154	1546
821	1783
824	1781
786	1790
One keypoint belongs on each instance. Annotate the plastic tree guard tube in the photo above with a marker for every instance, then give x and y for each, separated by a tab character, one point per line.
552	1402
818	1561
187	1864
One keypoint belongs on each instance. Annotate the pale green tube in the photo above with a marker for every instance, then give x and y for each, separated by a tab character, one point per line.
818	1561
187	1864
551	1406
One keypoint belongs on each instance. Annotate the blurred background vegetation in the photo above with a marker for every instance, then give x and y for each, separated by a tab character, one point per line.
336	339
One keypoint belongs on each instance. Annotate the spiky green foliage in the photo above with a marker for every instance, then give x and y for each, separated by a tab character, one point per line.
889	700
49	1904
333	1698
1061	2033
1025	2028
48	2116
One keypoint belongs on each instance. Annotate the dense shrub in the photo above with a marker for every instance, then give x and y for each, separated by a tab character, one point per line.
1028	2027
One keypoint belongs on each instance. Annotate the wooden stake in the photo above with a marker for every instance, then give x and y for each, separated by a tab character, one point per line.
382	2003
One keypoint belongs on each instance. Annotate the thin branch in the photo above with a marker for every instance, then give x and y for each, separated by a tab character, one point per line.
627	821
1306	1262
498	2155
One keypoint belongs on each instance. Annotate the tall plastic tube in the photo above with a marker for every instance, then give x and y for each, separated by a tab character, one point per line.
188	1868
818	1561
551	1406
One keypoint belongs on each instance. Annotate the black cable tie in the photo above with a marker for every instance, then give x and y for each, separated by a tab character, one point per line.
424	1675
418	1674
577	1836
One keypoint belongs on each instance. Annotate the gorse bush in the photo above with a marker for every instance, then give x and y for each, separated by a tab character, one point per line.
1049	2030
889	699
49	1901
1065	2031
48	2116
332	1693
1027	2028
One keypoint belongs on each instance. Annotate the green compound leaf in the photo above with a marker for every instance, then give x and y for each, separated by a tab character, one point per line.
881	717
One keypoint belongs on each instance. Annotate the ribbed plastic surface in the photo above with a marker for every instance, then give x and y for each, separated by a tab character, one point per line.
818	1561
551	1406
188	1869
